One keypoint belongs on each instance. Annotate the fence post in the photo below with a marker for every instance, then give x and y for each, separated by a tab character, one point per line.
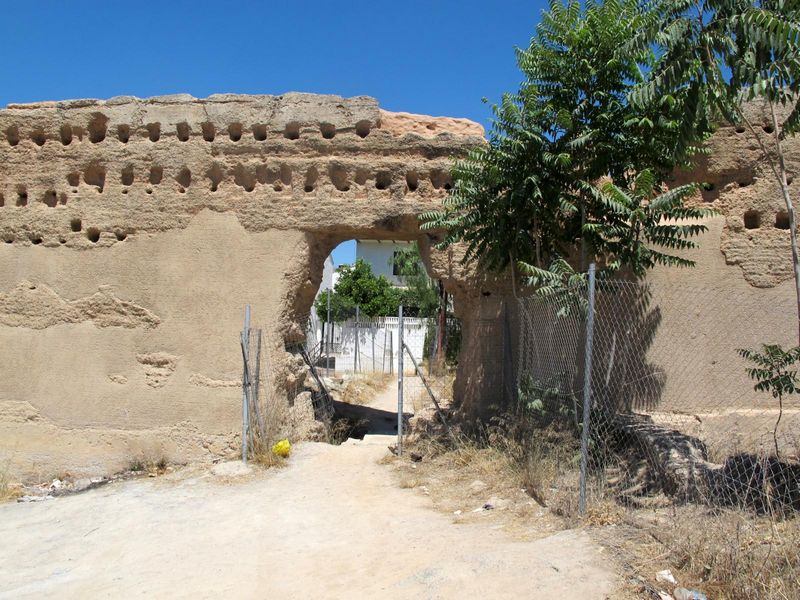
587	391
400	381
357	353
329	338
245	383
391	351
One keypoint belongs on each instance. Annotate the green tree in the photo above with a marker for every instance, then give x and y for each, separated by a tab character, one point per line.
358	286
528	198
719	53
774	373
421	293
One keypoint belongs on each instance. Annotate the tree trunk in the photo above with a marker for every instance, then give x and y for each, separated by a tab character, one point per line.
440	330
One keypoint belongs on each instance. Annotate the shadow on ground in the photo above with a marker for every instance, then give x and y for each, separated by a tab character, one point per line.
369	420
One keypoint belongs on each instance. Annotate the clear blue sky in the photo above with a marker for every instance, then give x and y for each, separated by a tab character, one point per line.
431	57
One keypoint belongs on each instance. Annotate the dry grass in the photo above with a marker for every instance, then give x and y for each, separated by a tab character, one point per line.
490	468
726	554
8	490
266	458
150	466
362	388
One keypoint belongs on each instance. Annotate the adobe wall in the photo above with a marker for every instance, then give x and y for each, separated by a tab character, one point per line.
135	231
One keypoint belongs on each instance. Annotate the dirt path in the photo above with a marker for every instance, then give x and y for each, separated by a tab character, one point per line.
333	524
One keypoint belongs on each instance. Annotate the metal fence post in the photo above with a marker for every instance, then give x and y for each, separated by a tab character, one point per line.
400	381
587	390
391	350
357	351
245	383
329	338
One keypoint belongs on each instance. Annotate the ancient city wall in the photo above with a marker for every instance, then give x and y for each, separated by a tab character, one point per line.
134	231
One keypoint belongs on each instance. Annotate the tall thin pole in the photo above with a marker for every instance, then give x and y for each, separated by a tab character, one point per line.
329	338
245	383
400	381
357	357
587	391
391	352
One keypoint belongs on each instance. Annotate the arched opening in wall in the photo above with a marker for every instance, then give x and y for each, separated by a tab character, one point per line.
153	131
209	131
97	128
235	131
363	128
441	179
123	133
38	137
752	219
156	174
259	133
183	131
126	176
95	175
383	180
327	130
215	175
93	235
292	131
22	196
339	177
65	133
311	180
353	338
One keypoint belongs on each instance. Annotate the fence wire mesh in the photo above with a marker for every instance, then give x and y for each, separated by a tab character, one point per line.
672	409
430	364
263	420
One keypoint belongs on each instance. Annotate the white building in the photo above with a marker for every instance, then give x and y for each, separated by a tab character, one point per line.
379	254
370	344
328	273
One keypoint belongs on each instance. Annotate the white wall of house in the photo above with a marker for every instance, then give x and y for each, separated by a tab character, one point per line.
379	254
377	343
328	273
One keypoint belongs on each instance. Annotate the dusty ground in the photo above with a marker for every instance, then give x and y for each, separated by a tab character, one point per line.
333	524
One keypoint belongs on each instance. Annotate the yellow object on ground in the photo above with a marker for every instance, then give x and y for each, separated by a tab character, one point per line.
282	448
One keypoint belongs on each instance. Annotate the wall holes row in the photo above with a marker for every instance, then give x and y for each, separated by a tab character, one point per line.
752	219
97	131
279	176
92	234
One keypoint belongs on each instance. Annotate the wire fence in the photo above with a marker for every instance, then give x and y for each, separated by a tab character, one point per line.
654	388
351	343
427	383
262	413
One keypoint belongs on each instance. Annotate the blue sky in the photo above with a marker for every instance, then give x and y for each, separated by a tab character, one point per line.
431	57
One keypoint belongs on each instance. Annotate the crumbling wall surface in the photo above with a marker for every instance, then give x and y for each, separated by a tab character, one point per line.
743	189
135	231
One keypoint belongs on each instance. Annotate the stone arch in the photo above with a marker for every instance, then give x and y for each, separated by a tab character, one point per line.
196	218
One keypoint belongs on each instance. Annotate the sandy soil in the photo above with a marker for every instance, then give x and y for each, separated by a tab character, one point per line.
333	524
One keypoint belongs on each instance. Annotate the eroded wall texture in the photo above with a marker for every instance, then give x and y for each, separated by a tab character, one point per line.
135	231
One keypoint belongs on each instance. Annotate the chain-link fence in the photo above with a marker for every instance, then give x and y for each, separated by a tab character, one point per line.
669	405
429	367
263	415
